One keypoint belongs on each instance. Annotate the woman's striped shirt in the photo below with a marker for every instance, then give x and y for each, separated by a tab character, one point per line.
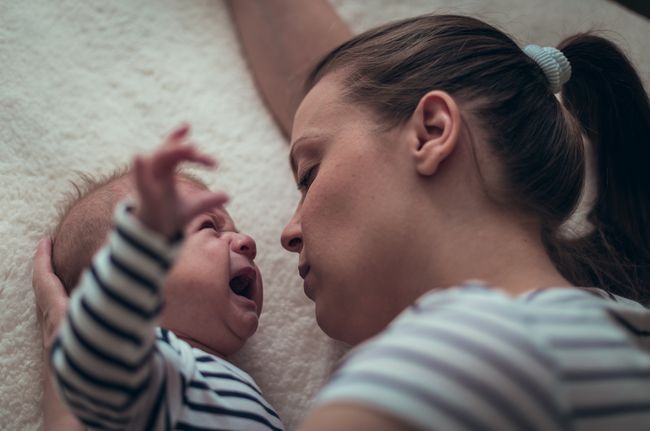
474	358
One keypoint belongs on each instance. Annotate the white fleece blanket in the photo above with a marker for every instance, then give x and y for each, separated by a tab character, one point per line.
85	84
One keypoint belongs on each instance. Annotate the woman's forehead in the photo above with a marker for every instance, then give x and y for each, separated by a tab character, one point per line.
322	105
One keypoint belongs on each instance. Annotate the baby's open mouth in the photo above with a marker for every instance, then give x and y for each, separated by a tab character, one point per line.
243	284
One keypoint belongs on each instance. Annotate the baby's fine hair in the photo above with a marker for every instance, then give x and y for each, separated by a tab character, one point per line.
537	140
76	238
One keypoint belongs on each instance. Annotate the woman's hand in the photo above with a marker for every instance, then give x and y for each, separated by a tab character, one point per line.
51	298
52	303
160	207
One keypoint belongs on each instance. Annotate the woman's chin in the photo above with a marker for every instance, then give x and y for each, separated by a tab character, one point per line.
339	329
330	324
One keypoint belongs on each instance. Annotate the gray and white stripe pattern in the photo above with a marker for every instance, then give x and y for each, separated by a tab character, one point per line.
473	358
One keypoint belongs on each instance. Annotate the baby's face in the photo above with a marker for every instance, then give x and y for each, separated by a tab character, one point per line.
213	293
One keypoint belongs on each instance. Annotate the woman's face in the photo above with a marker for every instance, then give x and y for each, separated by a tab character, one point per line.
352	227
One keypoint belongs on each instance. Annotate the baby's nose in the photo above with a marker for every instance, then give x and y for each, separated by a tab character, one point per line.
244	245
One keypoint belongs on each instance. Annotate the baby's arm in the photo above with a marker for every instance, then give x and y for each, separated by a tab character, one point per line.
104	356
283	40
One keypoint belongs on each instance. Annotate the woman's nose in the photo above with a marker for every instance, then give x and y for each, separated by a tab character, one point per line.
291	237
244	245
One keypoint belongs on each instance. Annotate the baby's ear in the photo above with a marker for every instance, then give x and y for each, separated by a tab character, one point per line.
437	123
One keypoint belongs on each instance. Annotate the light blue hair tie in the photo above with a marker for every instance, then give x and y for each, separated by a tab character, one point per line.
555	65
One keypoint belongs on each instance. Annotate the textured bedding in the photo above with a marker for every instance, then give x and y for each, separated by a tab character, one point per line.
84	85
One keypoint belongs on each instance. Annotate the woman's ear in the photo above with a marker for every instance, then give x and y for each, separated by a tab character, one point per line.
437	125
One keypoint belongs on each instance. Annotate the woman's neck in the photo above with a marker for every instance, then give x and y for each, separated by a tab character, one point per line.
500	250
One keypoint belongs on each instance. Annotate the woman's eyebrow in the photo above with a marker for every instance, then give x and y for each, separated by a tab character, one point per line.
300	143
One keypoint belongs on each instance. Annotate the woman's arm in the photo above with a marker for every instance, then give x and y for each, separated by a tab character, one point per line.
283	40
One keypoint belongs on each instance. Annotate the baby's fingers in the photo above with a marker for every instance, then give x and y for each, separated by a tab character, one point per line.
143	178
203	202
177	135
165	161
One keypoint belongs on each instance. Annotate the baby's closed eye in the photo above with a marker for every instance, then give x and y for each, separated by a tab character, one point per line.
209	222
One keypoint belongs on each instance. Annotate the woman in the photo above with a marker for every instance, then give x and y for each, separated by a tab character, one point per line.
432	151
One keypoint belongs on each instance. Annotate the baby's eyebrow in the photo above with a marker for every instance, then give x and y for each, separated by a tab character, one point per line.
225	219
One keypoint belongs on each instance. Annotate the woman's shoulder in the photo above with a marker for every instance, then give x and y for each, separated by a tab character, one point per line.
533	328
448	362
480	303
468	357
476	325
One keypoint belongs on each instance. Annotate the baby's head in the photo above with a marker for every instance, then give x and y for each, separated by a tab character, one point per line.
85	223
213	293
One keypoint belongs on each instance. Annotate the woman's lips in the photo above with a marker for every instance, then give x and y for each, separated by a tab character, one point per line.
308	288
303	270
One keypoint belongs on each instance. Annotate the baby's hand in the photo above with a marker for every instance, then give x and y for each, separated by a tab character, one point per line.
160	207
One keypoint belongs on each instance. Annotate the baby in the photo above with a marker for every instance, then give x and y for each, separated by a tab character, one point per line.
115	368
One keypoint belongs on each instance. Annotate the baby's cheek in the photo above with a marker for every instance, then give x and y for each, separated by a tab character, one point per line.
211	261
205	241
216	250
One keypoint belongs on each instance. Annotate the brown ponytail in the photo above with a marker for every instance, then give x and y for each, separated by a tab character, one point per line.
538	142
607	97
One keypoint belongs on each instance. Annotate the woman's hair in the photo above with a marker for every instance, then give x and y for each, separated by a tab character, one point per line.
538	142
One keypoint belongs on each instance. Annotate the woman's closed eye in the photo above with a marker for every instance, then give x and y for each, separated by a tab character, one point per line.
307	178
